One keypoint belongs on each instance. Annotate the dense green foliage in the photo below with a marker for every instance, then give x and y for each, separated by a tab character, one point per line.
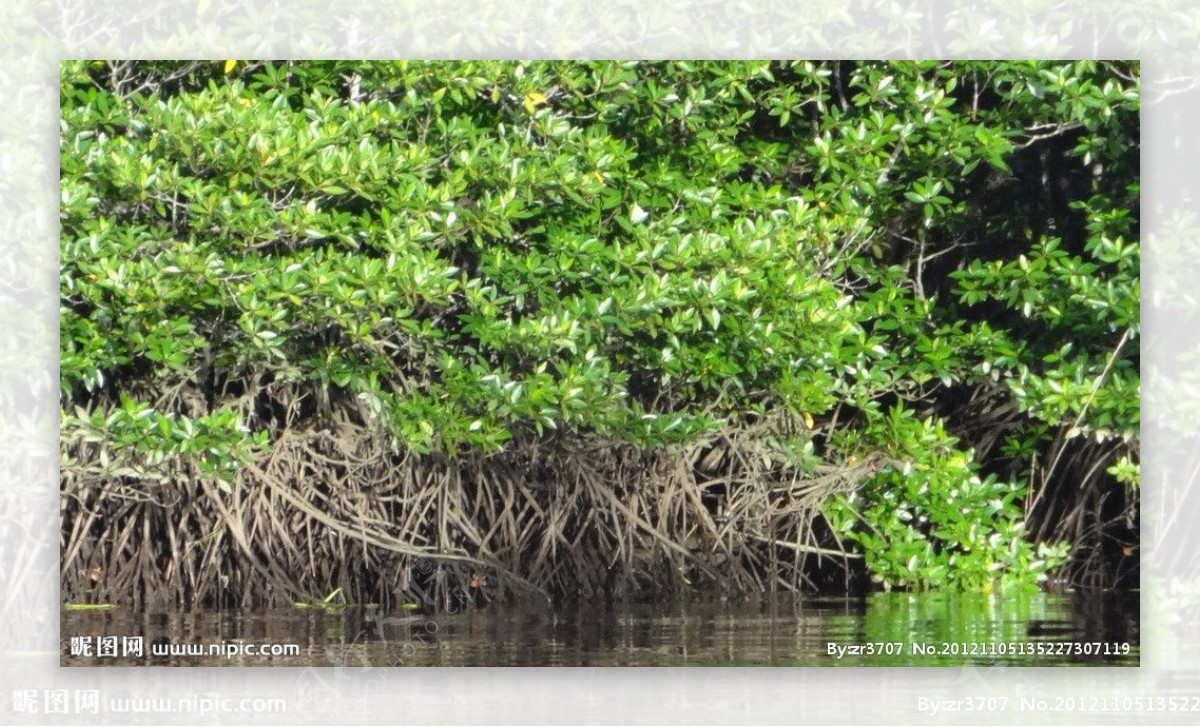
936	260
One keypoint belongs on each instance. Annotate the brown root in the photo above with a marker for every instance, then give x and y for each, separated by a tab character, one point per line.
580	517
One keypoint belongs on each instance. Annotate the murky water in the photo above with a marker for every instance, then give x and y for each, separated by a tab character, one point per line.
886	629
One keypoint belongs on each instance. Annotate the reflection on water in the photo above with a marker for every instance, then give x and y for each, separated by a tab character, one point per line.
889	629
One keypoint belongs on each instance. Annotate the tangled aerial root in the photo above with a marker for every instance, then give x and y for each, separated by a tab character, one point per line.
579	517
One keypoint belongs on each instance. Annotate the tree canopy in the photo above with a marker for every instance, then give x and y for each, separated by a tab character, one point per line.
934	260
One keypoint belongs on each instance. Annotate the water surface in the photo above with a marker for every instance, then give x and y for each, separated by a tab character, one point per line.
884	629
